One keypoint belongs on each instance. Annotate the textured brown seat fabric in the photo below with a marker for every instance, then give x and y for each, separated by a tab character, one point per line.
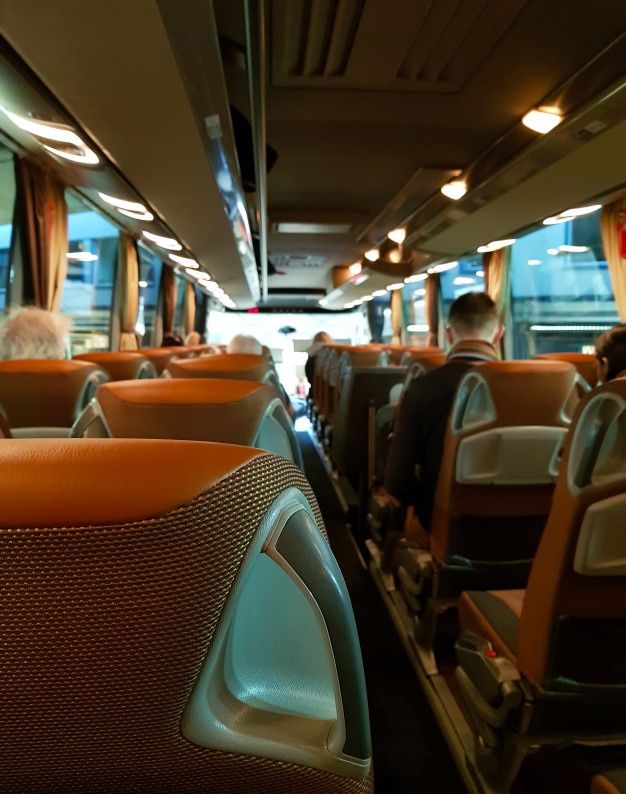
121	366
201	409
585	363
499	522
239	366
46	393
116	569
613	782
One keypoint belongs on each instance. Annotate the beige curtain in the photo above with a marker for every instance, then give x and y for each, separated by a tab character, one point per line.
612	223
189	319
431	308
41	222
397	325
128	290
496	265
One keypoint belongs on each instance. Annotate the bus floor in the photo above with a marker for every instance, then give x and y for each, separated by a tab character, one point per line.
409	751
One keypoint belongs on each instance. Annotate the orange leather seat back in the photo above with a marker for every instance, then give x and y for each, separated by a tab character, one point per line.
402	354
201	409
141	579
122	365
497	474
159	356
238	366
329	366
358	356
585	363
46	393
573	622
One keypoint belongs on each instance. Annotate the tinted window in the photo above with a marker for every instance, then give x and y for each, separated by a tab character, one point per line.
561	290
7	201
150	267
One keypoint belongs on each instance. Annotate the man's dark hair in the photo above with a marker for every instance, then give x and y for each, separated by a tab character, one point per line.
611	345
473	312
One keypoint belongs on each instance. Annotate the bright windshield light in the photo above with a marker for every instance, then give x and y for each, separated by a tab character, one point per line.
418	329
542	120
164	242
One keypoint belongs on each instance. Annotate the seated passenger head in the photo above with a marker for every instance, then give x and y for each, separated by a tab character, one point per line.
474	316
34	333
172	340
245	344
193	338
322	338
611	353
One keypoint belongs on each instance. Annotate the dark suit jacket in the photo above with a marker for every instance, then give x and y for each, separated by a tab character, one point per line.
419	430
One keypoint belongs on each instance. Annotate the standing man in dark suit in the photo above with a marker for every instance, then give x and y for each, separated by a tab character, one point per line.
474	330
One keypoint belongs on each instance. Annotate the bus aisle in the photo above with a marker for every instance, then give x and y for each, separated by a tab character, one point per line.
409	751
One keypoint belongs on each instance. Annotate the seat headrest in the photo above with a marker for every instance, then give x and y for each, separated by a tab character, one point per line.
227	365
184	391
45	366
585	363
514	393
82	482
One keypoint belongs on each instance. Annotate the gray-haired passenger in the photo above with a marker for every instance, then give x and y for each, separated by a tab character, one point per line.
33	333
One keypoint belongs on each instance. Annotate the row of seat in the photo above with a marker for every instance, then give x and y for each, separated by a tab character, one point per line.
227	397
184	593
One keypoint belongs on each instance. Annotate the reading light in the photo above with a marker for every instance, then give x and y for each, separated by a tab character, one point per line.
368	298
140	216
59	133
442	267
495	245
372	254
122	204
164	242
355	269
542	120
454	189
416	277
568	215
378	293
397	235
394	287
82	256
185	261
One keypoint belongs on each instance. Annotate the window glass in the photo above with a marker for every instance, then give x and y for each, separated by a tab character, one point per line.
150	267
466	276
181	285
7	200
88	290
413	297
561	290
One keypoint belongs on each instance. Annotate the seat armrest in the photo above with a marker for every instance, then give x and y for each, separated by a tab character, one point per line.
488	672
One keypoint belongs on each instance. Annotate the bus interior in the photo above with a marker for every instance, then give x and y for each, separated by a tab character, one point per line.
206	587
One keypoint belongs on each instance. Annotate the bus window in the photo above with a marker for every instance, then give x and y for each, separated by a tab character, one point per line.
88	290
7	201
561	289
179	315
466	276
150	267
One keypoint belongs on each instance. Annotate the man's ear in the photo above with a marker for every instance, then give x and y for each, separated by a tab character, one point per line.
449	335
498	334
